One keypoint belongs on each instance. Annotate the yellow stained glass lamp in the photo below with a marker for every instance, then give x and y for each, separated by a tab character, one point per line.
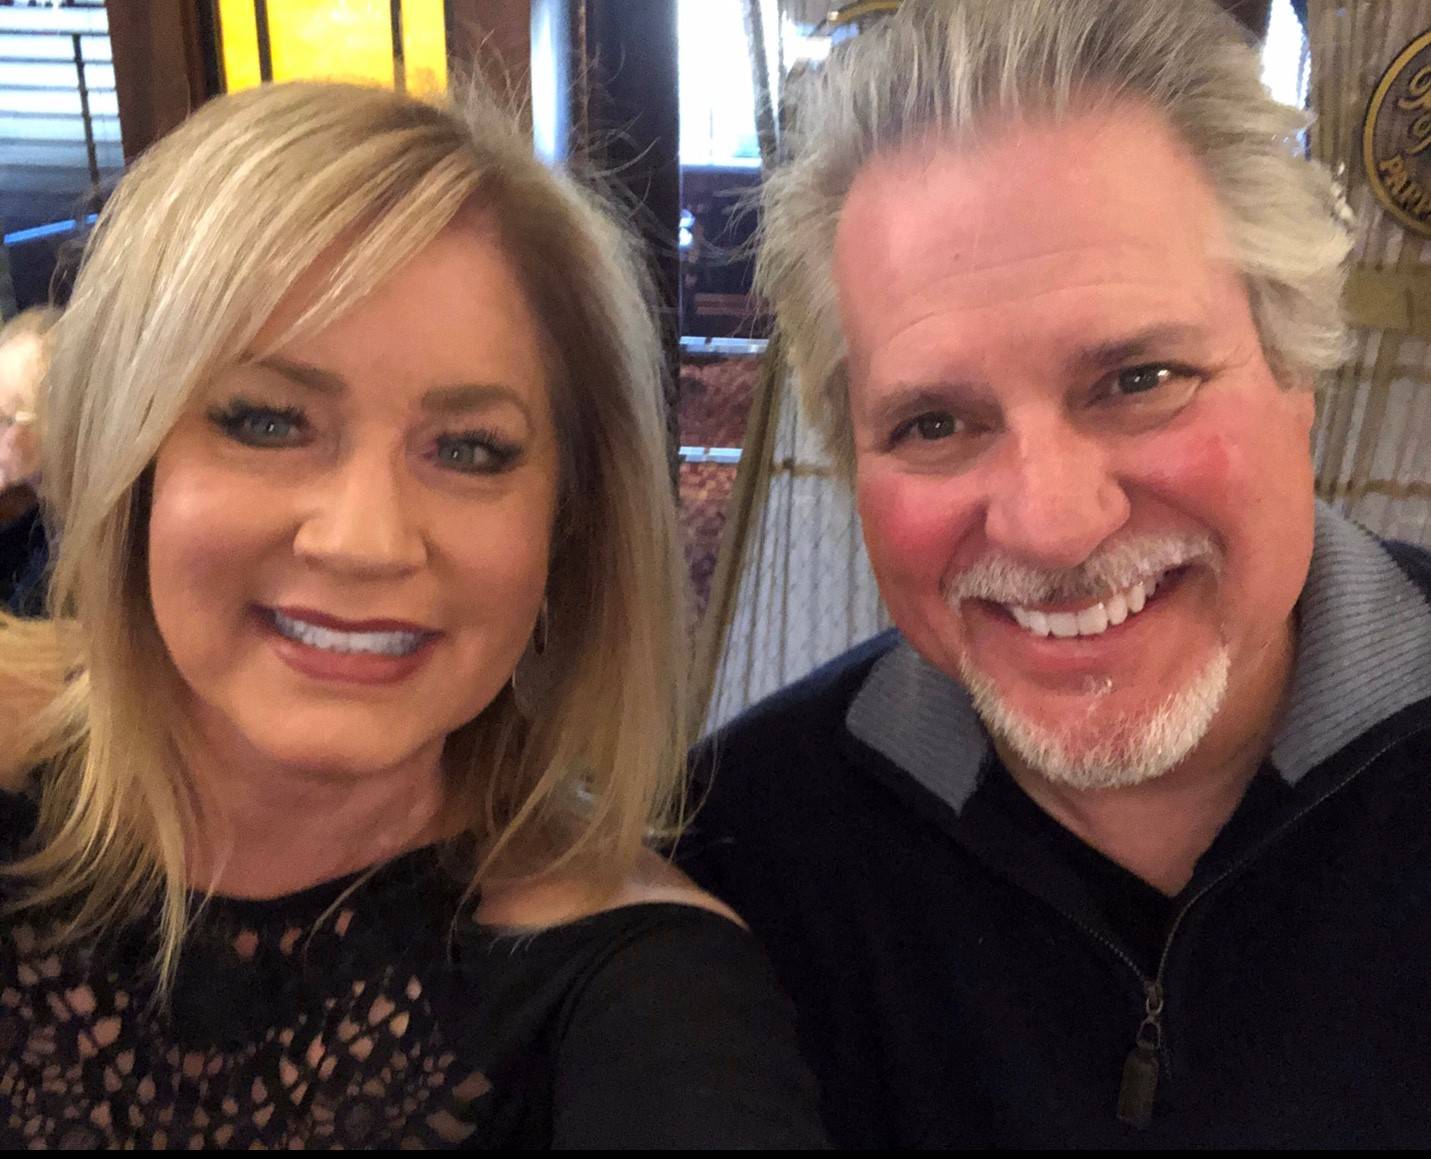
402	43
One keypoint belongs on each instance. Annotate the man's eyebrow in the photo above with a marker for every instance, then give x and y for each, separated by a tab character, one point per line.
906	399
1152	342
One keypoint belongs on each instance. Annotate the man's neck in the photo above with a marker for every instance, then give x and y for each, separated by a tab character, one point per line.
1156	830
1159	829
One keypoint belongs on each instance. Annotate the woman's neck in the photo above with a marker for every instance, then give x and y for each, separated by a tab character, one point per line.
266	829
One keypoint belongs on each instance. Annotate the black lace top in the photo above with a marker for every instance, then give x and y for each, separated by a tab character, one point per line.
372	1020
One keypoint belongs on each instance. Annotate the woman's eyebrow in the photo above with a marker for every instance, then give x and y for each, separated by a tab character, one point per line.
301	374
439	400
473	396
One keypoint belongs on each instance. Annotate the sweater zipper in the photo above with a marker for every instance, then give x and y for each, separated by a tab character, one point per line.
1139	1088
1145	1062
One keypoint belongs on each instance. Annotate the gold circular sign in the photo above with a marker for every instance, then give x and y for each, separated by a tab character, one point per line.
1396	137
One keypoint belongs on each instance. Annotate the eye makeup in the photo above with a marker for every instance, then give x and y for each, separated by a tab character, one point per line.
258	424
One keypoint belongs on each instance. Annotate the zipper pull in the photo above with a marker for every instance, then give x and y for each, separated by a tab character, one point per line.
1140	1068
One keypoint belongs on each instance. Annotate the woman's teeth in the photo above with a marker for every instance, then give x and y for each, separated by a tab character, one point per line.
331	640
1091	621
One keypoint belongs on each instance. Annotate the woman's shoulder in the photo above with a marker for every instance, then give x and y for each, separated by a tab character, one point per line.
545	903
660	1020
558	946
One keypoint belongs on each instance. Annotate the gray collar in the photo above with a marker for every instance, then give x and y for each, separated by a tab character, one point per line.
1363	653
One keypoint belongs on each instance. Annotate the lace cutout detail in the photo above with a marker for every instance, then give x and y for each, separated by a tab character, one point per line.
278	1037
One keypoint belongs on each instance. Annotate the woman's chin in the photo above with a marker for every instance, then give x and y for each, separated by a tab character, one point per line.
343	748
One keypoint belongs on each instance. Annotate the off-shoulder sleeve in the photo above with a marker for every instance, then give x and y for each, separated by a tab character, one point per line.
679	1037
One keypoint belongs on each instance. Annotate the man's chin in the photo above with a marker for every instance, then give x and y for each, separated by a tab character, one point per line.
1107	749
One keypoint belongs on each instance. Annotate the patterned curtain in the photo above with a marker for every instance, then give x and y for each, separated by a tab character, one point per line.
1373	435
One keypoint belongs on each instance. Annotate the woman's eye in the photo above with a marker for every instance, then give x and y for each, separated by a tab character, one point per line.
260	426
475	452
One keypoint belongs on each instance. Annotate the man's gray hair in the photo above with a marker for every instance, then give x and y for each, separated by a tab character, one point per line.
947	69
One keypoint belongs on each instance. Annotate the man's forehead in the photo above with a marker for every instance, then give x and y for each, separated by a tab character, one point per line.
1101	211
1114	175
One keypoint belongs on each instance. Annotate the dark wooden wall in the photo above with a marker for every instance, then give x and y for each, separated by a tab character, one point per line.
1252	13
633	125
494	39
159	73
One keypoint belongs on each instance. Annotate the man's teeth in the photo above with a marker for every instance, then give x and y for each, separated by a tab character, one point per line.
331	640
1090	621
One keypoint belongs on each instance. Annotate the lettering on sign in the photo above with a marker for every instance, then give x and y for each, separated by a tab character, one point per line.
1396	137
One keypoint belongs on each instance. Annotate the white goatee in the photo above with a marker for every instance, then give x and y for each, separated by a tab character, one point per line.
1102	751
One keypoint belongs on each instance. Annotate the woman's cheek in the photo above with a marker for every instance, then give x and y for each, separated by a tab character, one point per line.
204	529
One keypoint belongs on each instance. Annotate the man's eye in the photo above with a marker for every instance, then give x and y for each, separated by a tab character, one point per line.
1142	379
260	426
929	427
474	452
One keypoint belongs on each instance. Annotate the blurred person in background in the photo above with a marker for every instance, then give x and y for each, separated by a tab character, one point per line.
24	553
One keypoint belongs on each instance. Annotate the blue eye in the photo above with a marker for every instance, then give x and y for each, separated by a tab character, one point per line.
260	426
475	452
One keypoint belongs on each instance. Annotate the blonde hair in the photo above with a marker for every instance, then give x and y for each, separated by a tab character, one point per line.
200	241
945	69
36	322
33	326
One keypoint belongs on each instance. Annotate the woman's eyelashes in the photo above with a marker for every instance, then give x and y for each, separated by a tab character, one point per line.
475	451
256	425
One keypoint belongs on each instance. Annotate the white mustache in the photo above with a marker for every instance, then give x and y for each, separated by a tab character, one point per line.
1114	567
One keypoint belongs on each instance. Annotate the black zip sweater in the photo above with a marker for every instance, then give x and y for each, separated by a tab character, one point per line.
958	985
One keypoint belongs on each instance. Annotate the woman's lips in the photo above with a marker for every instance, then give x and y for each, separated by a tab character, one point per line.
323	620
327	648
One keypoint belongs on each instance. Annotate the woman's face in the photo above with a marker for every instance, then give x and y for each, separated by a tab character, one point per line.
349	538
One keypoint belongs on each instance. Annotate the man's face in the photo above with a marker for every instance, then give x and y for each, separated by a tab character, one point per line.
1082	490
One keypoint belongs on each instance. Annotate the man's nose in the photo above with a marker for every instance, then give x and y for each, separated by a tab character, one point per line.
1053	497
360	521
